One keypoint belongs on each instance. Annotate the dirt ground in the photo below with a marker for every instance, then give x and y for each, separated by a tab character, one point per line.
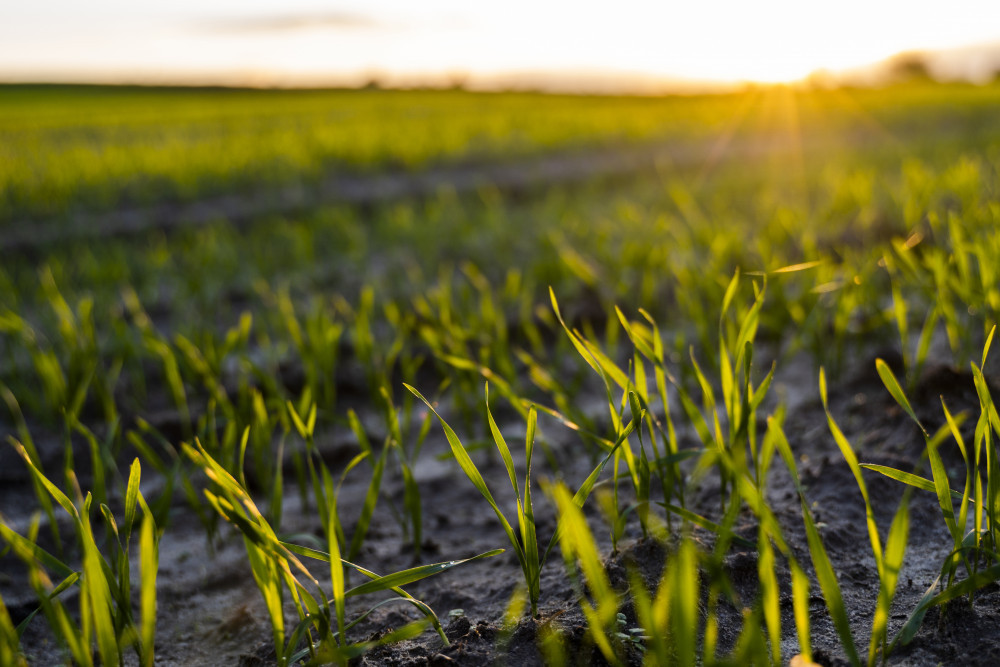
210	612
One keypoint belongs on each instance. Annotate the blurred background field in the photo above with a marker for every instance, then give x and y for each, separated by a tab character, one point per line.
70	149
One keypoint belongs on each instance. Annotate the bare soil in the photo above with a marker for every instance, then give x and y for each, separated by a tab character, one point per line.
210	612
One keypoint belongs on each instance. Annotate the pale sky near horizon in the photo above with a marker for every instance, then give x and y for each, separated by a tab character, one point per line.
304	41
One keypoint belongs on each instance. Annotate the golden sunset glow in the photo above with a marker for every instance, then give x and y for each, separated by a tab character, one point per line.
312	42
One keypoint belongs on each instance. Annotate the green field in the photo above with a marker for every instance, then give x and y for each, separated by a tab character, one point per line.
67	149
808	229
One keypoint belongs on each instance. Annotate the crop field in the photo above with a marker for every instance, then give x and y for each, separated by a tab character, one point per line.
444	377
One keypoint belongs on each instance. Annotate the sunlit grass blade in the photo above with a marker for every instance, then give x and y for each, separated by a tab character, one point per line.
684	602
75	639
916	617
276	506
323	556
368	509
131	498
526	519
822	566
581	495
502	447
470	470
36	553
800	605
580	550
44	499
404	577
986	345
336	574
930	599
963	512
909	478
852	461
889	379
63	585
328	654
53	490
827	579
593	356
769	595
707	524
10	649
148	564
895	549
96	593
652	621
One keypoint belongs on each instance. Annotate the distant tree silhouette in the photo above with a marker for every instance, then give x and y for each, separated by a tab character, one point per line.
456	80
910	66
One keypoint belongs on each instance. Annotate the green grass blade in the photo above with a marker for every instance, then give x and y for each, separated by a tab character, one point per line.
895	549
986	346
639	343
770	595
404	577
897	392
852	460
336	572
501	385
707	524
644	616
909	478
53	490
148	565
973	583
944	492
411	501
276	506
358	430
368	509
800	604
580	549
240	465
323	556
96	595
963	512
33	551
831	589
63	585
583	351
470	470
501	444
581	495
527	519
300	426
684	602
727	298
131	497
916	617
10	649
583	492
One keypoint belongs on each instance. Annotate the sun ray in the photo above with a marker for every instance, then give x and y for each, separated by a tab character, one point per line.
720	147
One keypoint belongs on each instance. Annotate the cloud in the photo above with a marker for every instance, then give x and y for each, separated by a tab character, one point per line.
290	22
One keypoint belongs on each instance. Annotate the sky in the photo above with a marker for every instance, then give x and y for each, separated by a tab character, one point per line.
305	42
